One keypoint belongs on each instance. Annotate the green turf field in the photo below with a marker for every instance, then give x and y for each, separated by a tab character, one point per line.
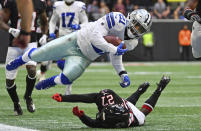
179	107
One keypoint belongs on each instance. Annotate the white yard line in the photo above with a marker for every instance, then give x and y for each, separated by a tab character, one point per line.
4	127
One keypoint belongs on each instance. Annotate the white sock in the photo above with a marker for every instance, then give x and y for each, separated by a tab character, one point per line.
68	89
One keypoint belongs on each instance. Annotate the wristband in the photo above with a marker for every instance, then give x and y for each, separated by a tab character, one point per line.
22	32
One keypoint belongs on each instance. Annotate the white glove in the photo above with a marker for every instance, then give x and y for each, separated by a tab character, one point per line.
43	40
14	32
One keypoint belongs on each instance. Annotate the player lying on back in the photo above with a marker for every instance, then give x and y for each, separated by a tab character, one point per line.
114	111
84	46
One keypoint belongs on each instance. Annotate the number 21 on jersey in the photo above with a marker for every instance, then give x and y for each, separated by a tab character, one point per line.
65	16
108	99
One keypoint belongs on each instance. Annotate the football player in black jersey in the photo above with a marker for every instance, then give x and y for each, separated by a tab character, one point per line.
114	111
10	12
192	12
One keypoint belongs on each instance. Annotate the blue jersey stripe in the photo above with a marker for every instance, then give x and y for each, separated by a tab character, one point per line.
112	18
99	51
108	21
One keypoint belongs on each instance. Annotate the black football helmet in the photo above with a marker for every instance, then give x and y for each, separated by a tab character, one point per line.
114	116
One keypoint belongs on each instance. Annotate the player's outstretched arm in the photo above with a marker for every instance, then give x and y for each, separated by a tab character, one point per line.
86	119
85	98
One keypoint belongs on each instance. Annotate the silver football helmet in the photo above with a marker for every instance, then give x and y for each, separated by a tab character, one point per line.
139	22
69	1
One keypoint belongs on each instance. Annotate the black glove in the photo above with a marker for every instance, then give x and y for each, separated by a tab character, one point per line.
191	15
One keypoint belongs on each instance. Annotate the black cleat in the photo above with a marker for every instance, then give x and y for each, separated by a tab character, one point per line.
163	83
143	87
17	109
30	104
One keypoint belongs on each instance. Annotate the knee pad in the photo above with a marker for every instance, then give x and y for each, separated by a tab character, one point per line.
64	79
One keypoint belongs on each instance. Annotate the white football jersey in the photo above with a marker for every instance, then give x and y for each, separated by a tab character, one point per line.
92	43
90	37
67	16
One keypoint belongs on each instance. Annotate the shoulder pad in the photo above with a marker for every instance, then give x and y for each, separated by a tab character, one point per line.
58	3
80	4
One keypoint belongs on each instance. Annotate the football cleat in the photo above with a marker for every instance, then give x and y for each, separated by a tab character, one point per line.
30	104
17	109
163	83
45	84
143	87
15	64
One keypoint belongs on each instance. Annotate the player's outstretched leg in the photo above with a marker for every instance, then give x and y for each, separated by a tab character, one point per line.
52	81
141	89
21	60
151	102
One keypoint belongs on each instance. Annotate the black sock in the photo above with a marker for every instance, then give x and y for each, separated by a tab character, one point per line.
30	83
13	94
43	68
153	98
134	97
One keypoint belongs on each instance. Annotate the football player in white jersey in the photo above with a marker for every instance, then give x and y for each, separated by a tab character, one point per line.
84	46
69	14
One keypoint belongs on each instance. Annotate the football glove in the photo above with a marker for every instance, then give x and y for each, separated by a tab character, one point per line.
191	15
52	36
120	50
14	32
75	27
77	112
43	39
57	97
125	80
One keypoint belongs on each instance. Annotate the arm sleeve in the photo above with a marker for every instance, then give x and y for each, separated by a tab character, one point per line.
86	98
90	122
53	21
98	40
117	63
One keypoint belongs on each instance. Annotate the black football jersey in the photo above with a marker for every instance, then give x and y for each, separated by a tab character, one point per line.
106	97
39	8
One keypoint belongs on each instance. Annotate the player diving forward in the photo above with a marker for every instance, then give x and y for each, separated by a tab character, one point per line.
10	12
193	12
69	14
82	47
114	111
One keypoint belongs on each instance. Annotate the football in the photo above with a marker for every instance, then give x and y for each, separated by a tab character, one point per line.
114	40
